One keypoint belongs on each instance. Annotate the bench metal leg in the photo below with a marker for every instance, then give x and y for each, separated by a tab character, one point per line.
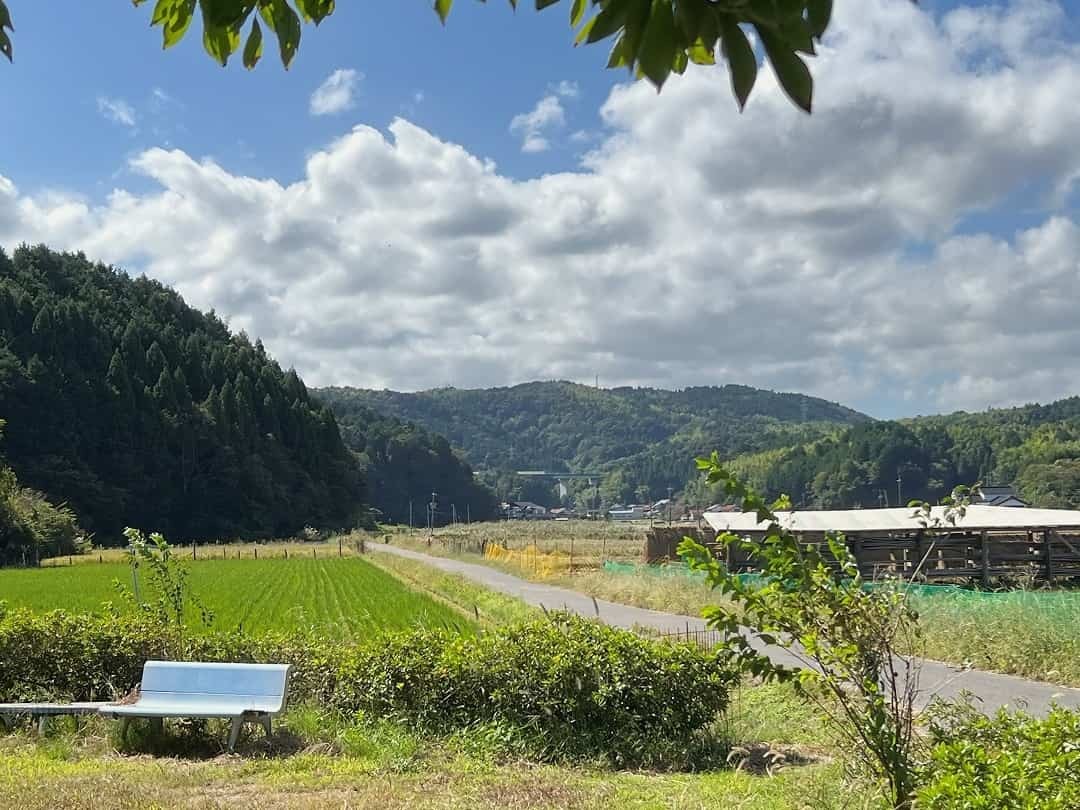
266	726
42	723
124	723
157	726
234	733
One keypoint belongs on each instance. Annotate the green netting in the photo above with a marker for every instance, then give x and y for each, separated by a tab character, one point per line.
1066	602
672	570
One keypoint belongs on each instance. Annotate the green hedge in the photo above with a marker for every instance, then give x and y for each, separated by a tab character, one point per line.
569	686
1008	762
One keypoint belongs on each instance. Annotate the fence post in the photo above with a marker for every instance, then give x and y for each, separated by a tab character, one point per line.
100	558
286	553
340	553
314	554
256	551
571	555
985	559
1048	545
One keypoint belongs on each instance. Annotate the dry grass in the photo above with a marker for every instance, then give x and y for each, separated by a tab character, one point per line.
345	545
386	766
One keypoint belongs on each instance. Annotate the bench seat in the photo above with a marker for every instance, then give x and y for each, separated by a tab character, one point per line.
238	692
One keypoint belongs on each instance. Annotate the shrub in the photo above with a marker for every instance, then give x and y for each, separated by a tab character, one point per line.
583	688
565	687
1009	761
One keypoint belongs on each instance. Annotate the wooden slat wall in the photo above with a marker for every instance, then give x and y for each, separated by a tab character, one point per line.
1041	554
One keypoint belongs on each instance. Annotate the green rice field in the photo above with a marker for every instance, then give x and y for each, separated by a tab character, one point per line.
344	598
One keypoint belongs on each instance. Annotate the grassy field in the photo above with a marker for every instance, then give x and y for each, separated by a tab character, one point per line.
315	760
342	598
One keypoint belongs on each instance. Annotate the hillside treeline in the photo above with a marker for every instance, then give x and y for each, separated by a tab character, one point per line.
135	409
641	440
403	464
1035	448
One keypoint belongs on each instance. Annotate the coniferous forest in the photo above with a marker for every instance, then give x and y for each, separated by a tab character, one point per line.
133	408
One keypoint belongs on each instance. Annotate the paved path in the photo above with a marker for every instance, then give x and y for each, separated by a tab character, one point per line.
937	679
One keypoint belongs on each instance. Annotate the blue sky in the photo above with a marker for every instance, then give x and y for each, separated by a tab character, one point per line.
912	247
487	65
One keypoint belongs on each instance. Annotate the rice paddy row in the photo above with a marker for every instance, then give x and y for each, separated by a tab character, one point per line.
340	597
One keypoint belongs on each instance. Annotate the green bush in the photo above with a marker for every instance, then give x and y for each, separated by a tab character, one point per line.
1008	762
563	687
580	687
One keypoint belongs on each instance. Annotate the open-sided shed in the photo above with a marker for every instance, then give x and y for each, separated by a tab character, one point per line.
987	542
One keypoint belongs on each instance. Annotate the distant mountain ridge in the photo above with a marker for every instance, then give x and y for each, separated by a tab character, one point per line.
643	440
1034	448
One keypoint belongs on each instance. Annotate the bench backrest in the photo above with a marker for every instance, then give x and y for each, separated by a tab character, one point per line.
226	681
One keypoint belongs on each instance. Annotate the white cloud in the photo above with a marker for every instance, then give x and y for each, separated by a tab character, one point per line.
532	126
116	110
336	93
846	254
566	89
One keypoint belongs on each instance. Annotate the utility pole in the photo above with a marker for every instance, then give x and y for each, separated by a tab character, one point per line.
669	491
431	515
453	512
899	499
410	513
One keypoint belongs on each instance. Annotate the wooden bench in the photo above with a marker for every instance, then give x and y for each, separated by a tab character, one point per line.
243	693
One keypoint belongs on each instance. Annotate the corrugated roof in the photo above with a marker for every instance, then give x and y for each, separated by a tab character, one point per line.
853	521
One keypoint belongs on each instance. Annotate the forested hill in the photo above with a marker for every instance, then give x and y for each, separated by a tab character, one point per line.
643	439
135	409
404	464
1035	448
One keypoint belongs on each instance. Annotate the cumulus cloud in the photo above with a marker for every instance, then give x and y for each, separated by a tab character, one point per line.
532	126
870	253
116	110
336	93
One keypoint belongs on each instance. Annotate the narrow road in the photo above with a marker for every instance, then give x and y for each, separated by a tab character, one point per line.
937	679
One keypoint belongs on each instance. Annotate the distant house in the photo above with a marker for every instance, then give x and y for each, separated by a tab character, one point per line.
1000	496
531	510
628	513
723	507
523	510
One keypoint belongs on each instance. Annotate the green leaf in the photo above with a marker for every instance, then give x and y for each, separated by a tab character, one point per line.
174	17
699	54
611	18
253	48
690	16
5	22
742	61
542	4
226	13
220	43
285	23
658	44
315	10
791	71
577	11
442	8
818	16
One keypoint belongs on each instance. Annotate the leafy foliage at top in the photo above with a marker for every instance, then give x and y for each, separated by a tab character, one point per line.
1035	447
135	408
642	440
403	464
652	38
